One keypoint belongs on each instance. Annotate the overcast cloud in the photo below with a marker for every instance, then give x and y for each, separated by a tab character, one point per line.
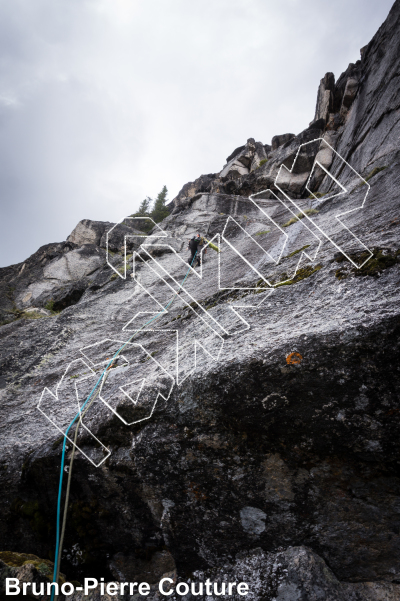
102	102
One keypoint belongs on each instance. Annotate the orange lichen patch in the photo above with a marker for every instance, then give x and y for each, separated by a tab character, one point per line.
294	359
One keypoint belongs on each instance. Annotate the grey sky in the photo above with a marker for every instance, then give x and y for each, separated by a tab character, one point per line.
104	101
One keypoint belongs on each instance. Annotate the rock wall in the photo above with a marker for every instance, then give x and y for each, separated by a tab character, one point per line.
283	453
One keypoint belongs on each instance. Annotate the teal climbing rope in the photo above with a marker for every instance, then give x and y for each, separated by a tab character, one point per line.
58	550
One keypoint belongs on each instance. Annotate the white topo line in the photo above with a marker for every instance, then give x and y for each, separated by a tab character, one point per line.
214	326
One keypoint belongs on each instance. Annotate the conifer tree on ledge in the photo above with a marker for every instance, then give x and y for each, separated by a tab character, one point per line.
157	213
160	211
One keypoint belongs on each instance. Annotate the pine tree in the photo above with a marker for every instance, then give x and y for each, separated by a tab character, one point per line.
160	211
144	207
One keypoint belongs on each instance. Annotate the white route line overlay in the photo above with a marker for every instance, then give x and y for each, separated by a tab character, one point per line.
343	191
159	233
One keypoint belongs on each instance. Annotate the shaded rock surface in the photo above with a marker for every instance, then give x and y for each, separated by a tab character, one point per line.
290	441
293	575
290	575
27	568
58	274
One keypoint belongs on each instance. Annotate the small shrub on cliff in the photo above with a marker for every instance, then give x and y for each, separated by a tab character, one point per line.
49	305
260	164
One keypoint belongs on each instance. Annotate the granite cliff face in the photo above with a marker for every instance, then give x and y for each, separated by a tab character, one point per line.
278	463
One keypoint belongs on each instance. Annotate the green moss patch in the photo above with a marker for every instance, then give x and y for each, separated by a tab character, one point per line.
261	285
211	305
21	314
16	560
33	315
261	163
300	216
262	232
291	221
372	173
316	195
299	250
6	321
381	259
49	305
302	274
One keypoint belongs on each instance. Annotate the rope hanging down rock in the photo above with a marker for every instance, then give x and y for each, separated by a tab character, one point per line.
85	407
